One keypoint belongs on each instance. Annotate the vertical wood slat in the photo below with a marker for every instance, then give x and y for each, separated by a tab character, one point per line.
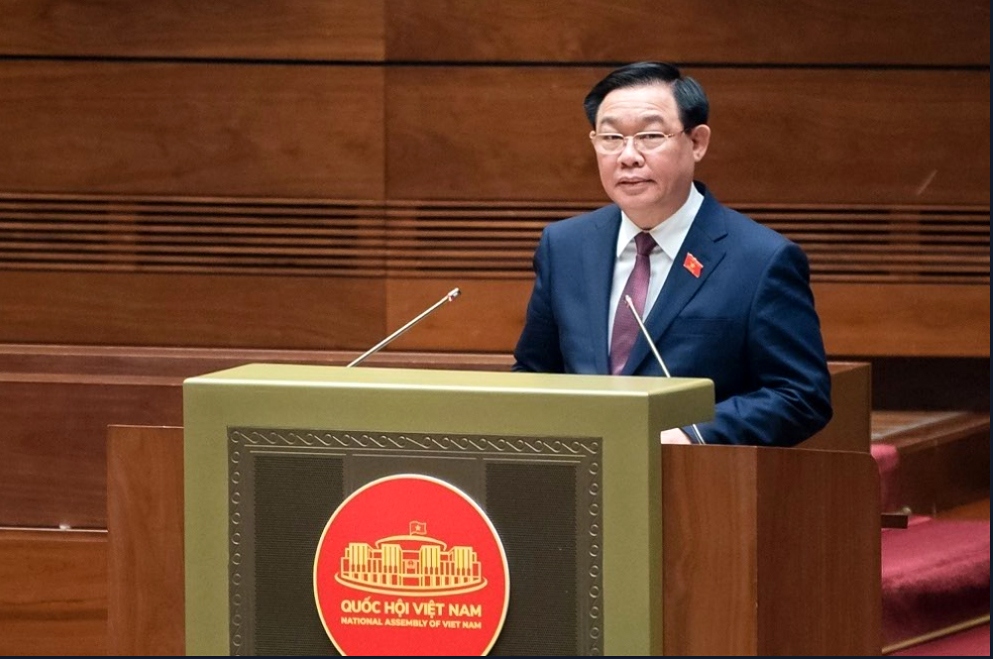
145	574
718	576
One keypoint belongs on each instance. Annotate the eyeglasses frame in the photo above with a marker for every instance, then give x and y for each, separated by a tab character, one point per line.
668	136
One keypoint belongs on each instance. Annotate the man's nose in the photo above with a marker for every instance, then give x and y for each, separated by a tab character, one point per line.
630	155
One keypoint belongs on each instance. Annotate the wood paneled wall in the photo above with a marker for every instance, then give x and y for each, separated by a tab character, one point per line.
309	174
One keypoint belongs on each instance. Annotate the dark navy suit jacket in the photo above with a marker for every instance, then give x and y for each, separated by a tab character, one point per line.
747	322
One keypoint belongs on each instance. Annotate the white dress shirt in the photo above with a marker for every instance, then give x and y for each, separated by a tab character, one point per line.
669	235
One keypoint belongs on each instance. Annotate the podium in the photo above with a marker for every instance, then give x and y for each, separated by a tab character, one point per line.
613	544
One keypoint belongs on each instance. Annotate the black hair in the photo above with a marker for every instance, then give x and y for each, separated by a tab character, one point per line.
691	100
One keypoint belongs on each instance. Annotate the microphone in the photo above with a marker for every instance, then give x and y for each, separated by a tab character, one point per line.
658	358
451	295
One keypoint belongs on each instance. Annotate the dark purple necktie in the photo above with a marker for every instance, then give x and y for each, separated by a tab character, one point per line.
625	326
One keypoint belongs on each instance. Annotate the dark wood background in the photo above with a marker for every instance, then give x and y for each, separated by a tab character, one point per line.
189	185
310	174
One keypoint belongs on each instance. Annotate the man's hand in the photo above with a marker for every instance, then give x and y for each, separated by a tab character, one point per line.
674	436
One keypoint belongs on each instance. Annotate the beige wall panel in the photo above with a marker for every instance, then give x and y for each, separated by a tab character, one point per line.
274	29
191	310
192	129
947	32
780	135
904	319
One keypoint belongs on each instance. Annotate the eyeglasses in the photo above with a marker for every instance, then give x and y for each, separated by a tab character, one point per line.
613	143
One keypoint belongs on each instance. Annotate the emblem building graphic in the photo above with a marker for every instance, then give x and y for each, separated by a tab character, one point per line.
383	586
414	565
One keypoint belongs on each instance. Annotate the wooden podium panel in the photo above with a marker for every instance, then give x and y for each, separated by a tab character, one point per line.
705	549
145	540
770	551
851	404
730	581
718	519
272	450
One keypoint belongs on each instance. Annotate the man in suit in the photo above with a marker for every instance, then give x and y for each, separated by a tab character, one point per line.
722	296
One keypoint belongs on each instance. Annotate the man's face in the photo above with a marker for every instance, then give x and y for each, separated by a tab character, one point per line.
649	186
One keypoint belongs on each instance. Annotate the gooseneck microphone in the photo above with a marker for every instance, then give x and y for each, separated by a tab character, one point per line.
651	344
451	295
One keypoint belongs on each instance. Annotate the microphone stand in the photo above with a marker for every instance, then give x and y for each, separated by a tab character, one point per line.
452	294
658	357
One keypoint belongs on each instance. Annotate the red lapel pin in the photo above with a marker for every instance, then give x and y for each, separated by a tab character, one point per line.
693	265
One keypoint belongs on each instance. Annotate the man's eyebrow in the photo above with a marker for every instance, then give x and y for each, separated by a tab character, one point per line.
645	118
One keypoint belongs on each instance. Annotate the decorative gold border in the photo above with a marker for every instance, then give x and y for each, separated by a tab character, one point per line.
585	451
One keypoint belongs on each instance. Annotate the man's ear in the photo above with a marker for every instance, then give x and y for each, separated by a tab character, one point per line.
700	136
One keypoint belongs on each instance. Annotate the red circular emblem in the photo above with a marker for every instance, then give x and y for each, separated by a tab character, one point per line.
410	565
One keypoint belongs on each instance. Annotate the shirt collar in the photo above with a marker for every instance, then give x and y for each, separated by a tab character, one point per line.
669	234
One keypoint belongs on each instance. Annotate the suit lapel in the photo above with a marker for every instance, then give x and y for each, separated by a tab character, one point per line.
598	258
704	242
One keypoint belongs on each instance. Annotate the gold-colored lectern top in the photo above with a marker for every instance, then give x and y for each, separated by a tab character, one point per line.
622	416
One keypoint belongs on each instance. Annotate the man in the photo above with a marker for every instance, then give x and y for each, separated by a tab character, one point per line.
722	296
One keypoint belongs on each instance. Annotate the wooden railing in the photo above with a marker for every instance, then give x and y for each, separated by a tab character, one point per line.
60	400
